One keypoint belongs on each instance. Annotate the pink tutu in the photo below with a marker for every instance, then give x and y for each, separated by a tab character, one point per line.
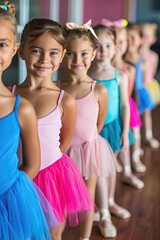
135	120
65	190
93	158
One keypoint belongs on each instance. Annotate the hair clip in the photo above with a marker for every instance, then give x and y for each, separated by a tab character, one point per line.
4	7
86	26
119	23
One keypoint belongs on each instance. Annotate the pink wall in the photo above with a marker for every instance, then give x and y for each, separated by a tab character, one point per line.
98	9
63	15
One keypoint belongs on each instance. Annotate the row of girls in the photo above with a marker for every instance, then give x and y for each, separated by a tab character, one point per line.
69	134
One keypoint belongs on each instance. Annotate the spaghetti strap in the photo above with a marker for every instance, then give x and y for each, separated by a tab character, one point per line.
116	73
60	96
17	102
13	88
93	85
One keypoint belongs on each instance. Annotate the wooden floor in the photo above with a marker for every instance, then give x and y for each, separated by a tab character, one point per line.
144	204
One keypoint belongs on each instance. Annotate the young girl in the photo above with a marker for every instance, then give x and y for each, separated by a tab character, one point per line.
151	60
42	48
116	83
21	215
135	120
144	99
91	153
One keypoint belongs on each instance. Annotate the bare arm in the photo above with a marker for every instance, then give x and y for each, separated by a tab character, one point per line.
102	97
125	110
30	140
131	72
68	120
155	62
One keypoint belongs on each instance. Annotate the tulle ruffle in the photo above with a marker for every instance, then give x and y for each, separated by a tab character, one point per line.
145	101
65	189
21	215
154	89
93	158
135	120
112	133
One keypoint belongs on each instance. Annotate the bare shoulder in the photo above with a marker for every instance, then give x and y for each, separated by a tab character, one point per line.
100	89
26	109
122	75
67	100
154	54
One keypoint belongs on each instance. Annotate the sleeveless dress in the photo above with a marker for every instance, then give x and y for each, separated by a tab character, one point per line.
112	128
152	84
59	179
145	100
135	120
91	153
21	215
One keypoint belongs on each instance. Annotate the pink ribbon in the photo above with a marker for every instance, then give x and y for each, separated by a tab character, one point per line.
86	26
119	23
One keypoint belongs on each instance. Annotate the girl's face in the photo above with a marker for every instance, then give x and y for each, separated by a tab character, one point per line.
134	40
8	48
121	42
42	55
79	55
106	48
148	38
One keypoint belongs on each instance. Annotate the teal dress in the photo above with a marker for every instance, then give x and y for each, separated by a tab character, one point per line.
21	215
112	128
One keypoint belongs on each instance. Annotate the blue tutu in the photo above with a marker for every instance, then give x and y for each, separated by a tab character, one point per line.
145	101
21	215
112	133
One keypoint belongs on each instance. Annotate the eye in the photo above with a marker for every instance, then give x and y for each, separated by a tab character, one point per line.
3	45
53	53
84	54
97	46
36	52
69	54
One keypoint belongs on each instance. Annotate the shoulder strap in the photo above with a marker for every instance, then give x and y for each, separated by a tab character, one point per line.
116	73
17	102
60	96
13	88
93	85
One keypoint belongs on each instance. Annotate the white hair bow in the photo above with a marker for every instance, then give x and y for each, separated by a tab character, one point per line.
86	26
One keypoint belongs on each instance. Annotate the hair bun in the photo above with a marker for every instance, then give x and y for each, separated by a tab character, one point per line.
10	6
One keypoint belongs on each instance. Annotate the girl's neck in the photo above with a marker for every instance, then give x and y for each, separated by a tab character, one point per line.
37	83
118	61
132	56
77	79
144	50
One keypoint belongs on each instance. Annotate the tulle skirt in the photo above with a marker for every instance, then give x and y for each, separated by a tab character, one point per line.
154	89
94	158
145	100
135	120
112	133
21	215
65	190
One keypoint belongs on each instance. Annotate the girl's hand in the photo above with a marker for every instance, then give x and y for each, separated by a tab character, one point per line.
124	141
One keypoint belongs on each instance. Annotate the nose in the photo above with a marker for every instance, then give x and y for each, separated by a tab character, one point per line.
44	58
77	58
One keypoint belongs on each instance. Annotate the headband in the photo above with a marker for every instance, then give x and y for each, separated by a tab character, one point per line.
4	7
86	26
119	23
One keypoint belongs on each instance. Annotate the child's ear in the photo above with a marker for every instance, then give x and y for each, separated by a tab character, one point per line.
15	49
20	52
